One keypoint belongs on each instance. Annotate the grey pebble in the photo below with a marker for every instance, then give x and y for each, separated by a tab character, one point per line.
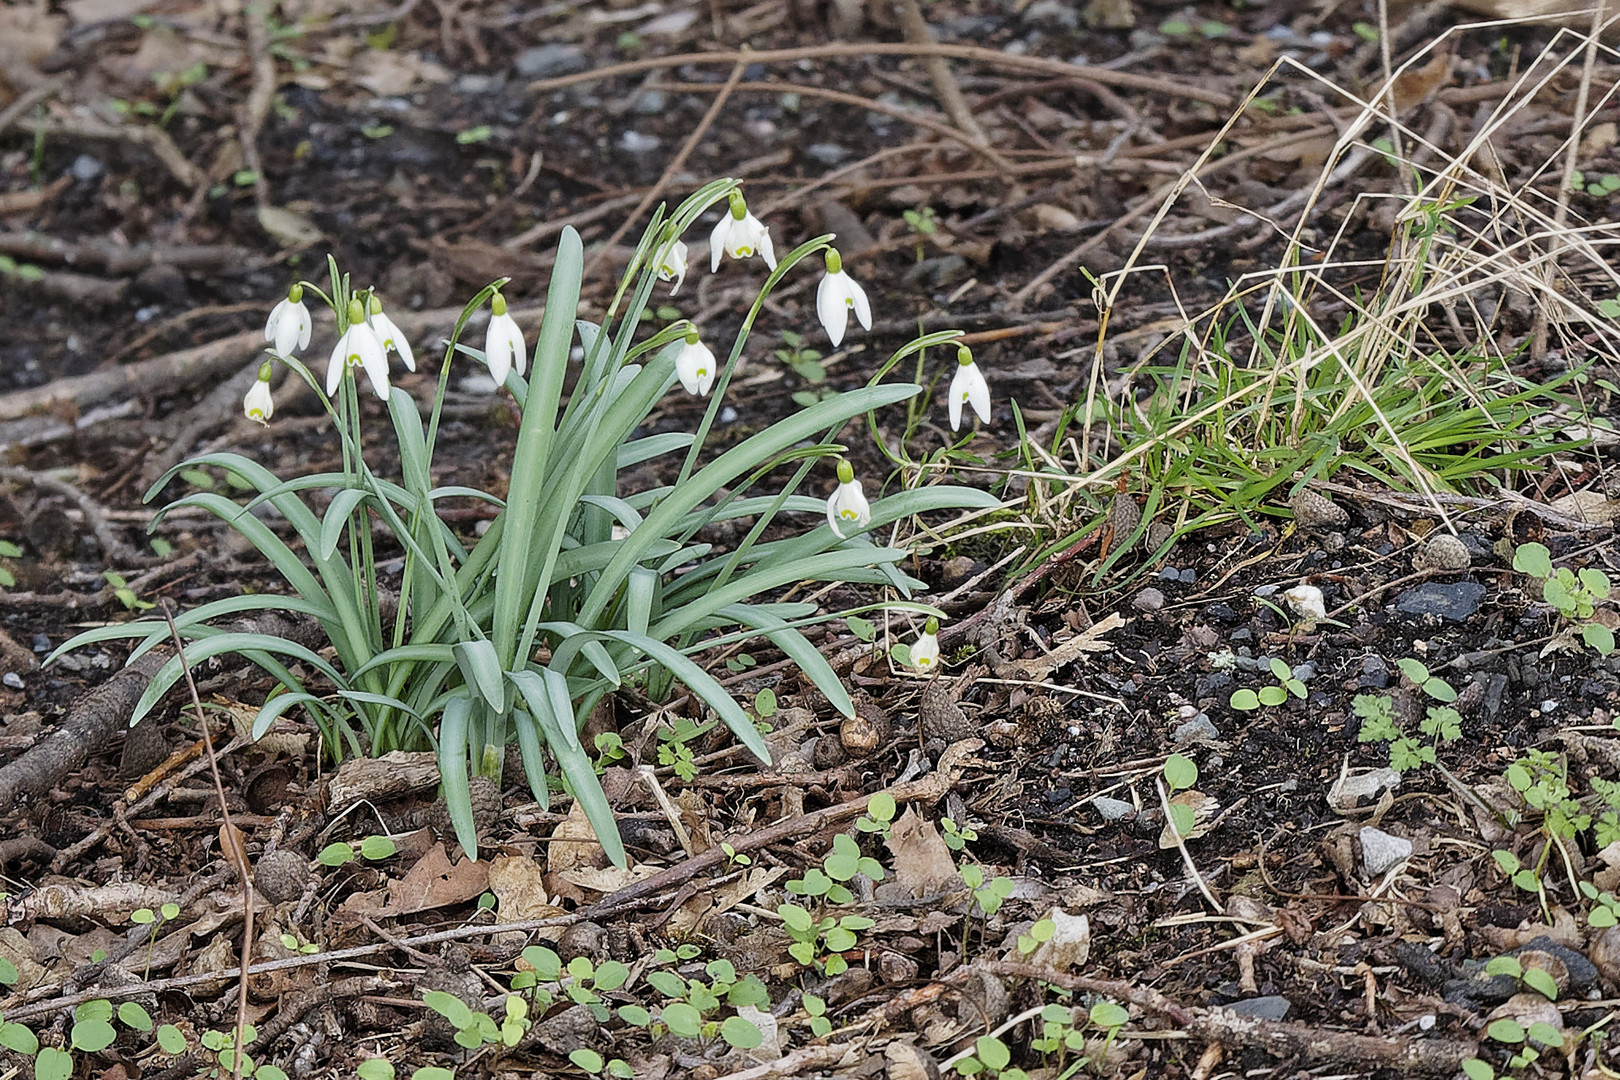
13	680
1454	601
545	61
1199	729
86	168
637	143
1380	851
826	153
1304	672
650	103
1149	599
1112	809
1270	1007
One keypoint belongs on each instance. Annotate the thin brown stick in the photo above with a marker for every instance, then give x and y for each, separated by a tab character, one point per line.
257	105
674	166
918	32
232	841
997	163
992	57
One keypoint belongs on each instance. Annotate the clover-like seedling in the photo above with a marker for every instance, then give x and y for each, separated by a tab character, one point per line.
956	836
1535	978
372	848
1247	700
988	894
880	810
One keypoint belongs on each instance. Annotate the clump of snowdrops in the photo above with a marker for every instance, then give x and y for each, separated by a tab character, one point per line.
579	585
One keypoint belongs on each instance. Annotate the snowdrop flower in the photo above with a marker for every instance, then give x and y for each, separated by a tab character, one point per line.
358	347
739	234
504	347
836	294
390	335
695	365
258	404
968	385
1306	602
848	506
925	654
288	326
671	264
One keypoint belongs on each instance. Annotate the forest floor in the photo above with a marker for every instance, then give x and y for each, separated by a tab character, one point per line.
167	170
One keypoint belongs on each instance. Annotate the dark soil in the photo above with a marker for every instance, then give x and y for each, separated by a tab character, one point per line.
419	154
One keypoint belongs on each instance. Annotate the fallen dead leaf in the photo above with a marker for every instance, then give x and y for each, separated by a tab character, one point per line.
520	891
922	862
433	882
1203	808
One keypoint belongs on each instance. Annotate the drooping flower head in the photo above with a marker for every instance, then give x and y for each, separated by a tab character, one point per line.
837	293
390	335
289	325
968	385
671	263
740	234
848	509
358	347
504	347
695	365
258	404
925	653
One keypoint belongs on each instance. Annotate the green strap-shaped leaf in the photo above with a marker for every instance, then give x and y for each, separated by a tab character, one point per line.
576	767
455	728
219	645
516	578
534	761
798	649
343	505
482	671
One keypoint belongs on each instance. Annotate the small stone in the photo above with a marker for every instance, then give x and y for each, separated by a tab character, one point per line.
1605	953
546	61
895	969
1314	513
1374	673
1444	552
826	153
1349	791
637	143
42	643
86	168
1170	573
1158	535
1149	599
1117	809
1059	15
1199	729
281	876
1455	601
12	680
650	103
1070	943
1270	1007
572	1029
1381	852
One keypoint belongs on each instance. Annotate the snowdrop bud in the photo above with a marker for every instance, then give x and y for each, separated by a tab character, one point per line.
258	404
695	365
390	335
848	508
504	347
968	385
289	325
836	295
925	653
1306	602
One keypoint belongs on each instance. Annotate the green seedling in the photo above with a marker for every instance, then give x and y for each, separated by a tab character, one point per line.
1270	696
1574	595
